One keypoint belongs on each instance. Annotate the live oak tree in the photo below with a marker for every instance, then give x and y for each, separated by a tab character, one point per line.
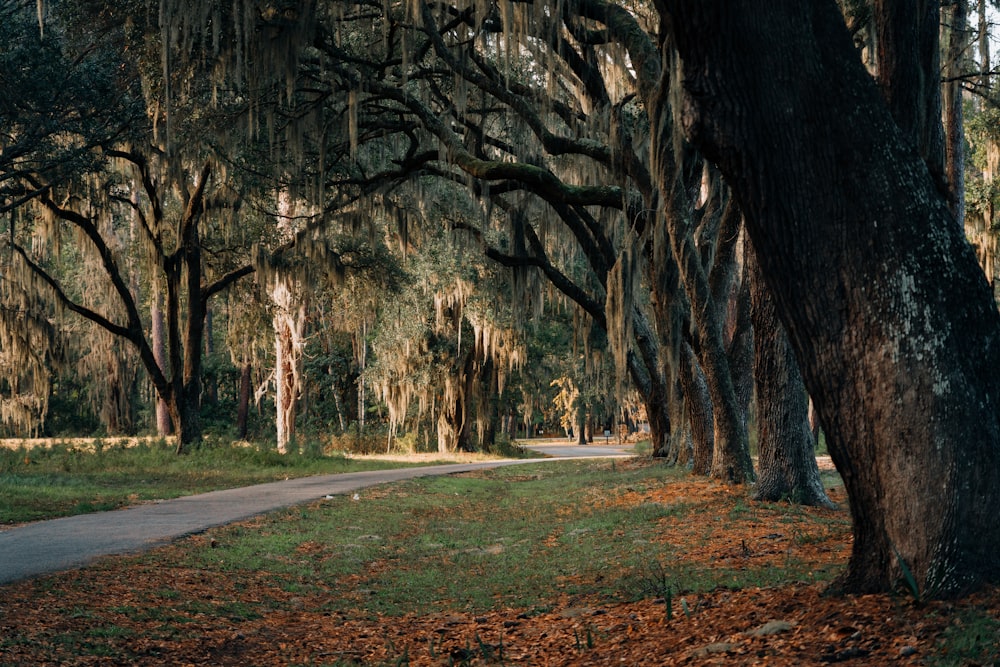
514	146
164	207
891	319
394	94
50	122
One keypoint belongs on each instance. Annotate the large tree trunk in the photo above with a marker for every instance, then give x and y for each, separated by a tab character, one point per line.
658	417
650	382
786	465
741	348
893	324
184	368
699	411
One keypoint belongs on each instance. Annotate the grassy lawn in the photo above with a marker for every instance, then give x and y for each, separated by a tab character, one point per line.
598	562
62	480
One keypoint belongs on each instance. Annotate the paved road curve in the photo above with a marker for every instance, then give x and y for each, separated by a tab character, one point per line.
62	544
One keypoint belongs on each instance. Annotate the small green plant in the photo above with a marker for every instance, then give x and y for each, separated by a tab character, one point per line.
488	652
911	582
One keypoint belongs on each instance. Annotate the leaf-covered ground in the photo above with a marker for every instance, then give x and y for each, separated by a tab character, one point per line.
128	611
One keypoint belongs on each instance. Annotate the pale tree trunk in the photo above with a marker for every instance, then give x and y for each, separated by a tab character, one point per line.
336	402
361	351
895	329
786	466
813	420
452	416
289	324
288	321
984	45
243	408
164	426
979	224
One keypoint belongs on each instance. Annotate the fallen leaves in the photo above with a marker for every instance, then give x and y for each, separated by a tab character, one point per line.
126	611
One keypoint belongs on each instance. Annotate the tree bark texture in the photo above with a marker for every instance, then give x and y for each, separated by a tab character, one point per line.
956	40
164	427
243	408
289	327
731	455
699	411
741	349
786	465
908	62
893	324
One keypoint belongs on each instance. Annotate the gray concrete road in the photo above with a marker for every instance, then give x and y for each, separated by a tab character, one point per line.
62	544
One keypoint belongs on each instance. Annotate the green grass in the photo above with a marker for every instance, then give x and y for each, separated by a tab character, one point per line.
519	536
526	537
972	638
44	483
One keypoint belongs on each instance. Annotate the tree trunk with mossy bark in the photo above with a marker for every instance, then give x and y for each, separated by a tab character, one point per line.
786	465
866	265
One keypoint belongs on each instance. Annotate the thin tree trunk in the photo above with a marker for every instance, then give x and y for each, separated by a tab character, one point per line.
468	383
164	427
362	355
211	393
243	407
984	46
956	34
284	385
336	402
